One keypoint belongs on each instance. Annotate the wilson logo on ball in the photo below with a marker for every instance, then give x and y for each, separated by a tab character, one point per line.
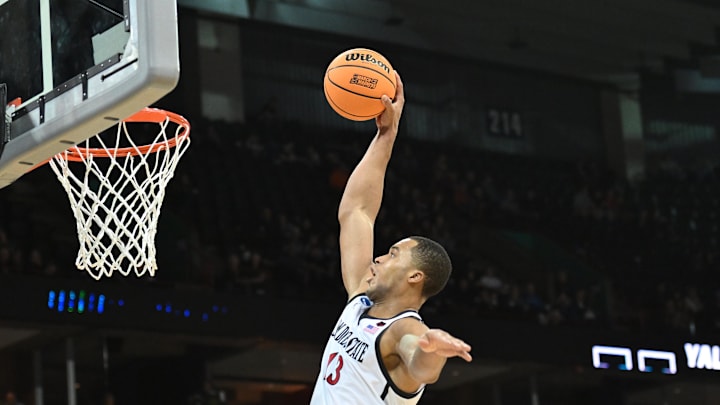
366	57
364	81
356	80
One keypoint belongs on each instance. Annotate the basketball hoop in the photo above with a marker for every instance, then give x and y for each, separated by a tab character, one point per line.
116	190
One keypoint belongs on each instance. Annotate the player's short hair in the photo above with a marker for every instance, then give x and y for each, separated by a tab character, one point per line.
433	260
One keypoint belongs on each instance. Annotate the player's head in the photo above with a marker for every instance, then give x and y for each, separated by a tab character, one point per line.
433	260
416	263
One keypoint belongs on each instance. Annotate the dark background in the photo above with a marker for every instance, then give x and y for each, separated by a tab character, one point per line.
556	246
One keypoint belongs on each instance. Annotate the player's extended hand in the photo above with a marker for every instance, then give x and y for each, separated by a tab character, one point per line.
444	344
390	118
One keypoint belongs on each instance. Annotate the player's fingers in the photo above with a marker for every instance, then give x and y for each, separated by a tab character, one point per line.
461	347
456	343
466	356
466	347
387	102
464	350
399	89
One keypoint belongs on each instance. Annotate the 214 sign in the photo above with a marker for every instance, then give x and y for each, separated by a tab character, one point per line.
504	123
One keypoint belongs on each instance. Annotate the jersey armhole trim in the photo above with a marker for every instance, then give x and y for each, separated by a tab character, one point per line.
388	380
354	297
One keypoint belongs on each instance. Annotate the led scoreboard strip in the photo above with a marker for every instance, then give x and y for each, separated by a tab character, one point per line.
77	301
695	355
80	301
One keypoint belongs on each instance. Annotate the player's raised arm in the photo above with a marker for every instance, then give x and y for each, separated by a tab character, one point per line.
362	197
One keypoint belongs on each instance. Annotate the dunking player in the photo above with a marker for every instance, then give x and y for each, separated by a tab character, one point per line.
380	351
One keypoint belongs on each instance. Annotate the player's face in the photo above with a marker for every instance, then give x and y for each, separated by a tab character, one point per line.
390	270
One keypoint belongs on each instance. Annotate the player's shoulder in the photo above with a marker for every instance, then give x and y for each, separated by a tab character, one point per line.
360	298
405	323
356	305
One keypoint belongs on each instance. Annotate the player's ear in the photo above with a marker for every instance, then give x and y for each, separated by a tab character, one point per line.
416	276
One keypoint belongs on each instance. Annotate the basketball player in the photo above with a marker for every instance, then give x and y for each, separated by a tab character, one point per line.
380	351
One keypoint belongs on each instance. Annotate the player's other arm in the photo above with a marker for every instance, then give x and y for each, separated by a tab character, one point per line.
362	197
425	351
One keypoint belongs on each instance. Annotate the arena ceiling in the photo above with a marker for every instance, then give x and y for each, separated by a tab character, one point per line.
602	40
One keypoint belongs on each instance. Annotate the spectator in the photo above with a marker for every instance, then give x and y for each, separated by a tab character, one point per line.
11	399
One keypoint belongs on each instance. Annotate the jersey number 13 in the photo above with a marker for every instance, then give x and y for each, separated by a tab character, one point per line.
335	364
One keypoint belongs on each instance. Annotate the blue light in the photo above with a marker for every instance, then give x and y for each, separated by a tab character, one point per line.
158	307
187	313
168	308
224	310
61	301
101	304
91	302
81	302
121	303
215	308
51	299
71	301
205	317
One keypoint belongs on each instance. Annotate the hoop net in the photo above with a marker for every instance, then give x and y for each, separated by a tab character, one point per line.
116	190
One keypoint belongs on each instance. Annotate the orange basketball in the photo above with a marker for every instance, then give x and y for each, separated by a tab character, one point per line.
354	82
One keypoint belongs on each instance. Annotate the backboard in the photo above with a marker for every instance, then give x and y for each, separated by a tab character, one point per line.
78	67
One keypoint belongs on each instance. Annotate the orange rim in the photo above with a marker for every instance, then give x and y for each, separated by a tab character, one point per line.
151	115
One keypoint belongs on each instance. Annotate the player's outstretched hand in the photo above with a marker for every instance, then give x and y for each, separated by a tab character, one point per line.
444	344
393	108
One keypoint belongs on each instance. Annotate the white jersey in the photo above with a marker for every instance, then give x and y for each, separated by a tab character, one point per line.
352	371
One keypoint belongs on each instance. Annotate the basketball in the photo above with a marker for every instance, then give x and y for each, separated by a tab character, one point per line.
356	80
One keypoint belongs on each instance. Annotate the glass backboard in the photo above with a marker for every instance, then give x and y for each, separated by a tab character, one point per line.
73	68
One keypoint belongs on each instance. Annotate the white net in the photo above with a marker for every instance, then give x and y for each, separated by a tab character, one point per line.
116	189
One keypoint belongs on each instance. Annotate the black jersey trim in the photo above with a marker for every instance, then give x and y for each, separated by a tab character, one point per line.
365	315
385	391
353	297
381	364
